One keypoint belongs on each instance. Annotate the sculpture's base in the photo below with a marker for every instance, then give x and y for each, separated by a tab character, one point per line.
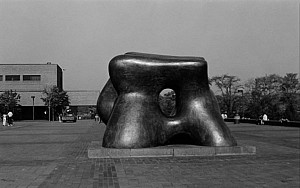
95	150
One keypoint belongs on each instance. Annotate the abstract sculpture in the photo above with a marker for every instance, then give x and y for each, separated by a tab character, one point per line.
128	103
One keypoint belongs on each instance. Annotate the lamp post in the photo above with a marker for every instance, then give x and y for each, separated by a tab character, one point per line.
242	92
32	107
49	106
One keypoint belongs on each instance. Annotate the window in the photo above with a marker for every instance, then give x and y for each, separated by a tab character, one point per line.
12	78
31	77
1	78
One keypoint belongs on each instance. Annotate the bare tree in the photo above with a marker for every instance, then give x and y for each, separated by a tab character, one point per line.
228	86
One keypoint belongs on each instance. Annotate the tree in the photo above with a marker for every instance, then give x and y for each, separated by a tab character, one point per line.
56	99
8	101
263	96
228	86
271	94
289	99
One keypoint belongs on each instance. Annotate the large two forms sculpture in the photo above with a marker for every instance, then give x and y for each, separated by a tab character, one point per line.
129	105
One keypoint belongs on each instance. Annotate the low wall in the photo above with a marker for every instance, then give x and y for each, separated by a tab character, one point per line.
270	122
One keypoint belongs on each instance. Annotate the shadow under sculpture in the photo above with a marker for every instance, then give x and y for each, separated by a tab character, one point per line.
128	103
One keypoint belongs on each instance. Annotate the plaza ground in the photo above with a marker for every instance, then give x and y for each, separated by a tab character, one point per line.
53	154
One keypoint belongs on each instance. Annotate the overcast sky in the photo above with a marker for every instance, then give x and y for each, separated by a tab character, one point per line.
243	38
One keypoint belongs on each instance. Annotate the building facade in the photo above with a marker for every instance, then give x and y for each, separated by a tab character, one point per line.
30	77
83	102
29	81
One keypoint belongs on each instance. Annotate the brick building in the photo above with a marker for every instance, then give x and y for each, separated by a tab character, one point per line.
29	80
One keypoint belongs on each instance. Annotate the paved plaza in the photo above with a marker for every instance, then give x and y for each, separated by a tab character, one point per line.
52	154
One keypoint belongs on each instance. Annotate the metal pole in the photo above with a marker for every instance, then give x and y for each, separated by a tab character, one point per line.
32	107
243	111
242	102
49	110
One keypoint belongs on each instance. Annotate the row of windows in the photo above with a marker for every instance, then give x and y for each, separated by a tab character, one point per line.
17	77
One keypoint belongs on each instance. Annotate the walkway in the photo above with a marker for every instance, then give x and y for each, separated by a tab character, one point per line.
52	154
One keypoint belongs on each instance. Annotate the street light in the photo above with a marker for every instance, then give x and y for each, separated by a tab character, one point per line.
33	106
242	92
49	104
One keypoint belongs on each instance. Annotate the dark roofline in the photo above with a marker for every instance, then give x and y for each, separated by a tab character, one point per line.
82	91
35	65
28	64
19	90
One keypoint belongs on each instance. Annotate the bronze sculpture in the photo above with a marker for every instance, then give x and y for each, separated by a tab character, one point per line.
128	103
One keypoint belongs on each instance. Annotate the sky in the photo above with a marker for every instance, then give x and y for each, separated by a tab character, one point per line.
247	38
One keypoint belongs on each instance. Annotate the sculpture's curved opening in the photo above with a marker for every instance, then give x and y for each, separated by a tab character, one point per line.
181	138
167	102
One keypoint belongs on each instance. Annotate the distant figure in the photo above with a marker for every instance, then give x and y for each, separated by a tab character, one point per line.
223	116
260	120
265	117
284	120
237	118
4	119
59	117
9	119
97	118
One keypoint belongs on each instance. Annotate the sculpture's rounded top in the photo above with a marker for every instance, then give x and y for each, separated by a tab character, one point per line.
133	71
155	60
167	57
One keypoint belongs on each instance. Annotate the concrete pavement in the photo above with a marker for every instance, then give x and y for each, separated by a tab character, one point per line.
52	154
